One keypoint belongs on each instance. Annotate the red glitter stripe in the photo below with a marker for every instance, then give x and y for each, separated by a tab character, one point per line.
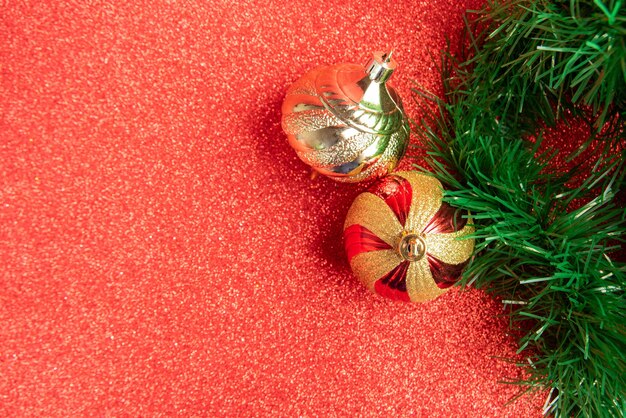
397	193
446	220
444	274
359	239
393	284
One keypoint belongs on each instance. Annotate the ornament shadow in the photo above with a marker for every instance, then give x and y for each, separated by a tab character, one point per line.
272	150
325	201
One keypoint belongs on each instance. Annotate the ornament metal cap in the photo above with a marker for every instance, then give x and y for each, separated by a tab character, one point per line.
381	66
412	247
359	96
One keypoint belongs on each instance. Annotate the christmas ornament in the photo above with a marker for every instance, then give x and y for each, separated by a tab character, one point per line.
403	242
345	121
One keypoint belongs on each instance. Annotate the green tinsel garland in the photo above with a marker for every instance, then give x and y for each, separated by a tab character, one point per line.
545	247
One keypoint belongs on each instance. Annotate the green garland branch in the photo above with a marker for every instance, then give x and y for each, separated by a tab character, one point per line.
548	56
544	246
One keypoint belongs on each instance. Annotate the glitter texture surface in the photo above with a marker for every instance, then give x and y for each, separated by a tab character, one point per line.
163	249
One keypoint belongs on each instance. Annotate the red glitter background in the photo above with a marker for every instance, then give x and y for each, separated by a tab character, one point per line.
163	250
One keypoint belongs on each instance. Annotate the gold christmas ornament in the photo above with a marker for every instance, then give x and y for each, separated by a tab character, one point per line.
346	122
403	242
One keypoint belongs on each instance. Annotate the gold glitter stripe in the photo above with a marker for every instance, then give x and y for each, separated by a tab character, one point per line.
420	283
373	213
427	194
449	249
308	120
342	152
373	265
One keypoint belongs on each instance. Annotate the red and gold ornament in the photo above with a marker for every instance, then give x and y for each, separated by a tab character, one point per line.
403	242
346	121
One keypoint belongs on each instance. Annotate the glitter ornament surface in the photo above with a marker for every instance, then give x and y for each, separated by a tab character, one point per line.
403	242
163	250
346	122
